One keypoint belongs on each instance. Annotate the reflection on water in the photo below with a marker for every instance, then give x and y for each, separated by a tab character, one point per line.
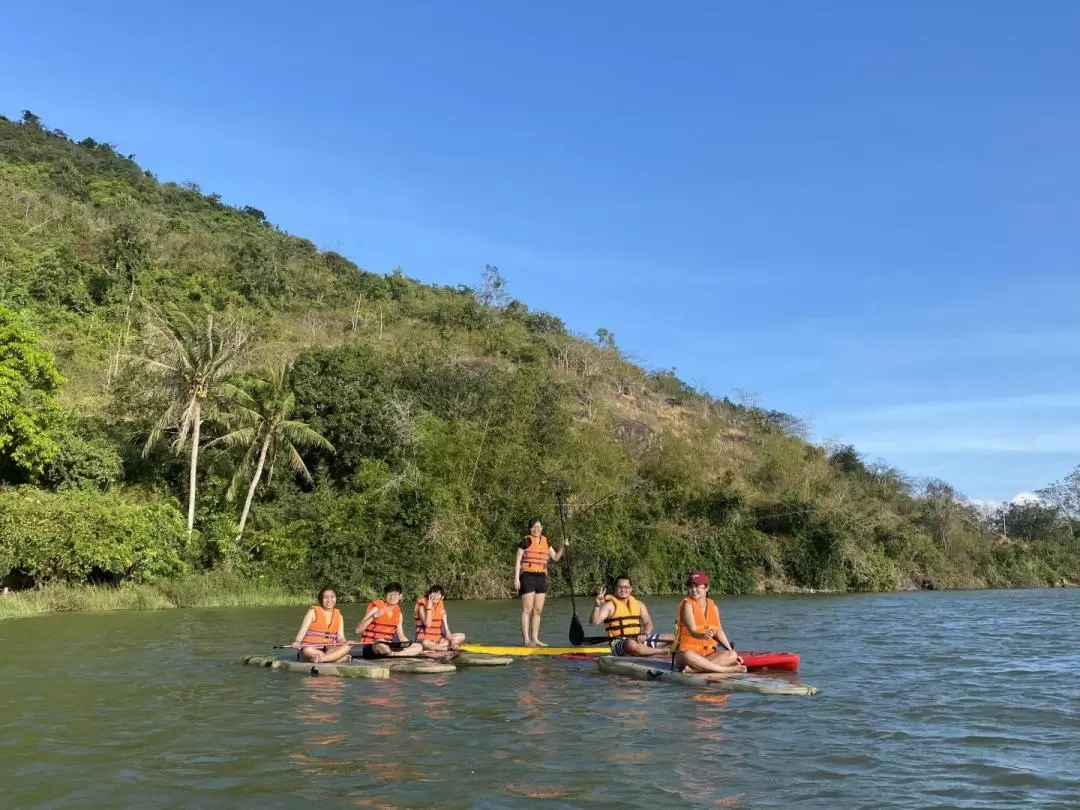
961	719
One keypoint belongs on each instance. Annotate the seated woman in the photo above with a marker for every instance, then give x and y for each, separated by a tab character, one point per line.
321	639
381	633
432	627
698	632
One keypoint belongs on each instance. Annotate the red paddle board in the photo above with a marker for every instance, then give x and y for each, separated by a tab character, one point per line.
755	660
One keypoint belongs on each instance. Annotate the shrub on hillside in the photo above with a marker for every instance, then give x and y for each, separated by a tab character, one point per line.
83	535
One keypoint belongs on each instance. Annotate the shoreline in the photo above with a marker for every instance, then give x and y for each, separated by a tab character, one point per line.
217	589
202	590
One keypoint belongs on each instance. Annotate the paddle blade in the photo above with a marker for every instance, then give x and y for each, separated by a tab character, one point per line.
577	632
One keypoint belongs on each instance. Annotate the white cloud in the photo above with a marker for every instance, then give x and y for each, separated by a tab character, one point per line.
1026	497
989	506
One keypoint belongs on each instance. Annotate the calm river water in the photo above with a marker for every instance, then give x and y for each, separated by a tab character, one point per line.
927	700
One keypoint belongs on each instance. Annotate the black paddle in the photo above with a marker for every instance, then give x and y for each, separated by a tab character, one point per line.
577	632
291	647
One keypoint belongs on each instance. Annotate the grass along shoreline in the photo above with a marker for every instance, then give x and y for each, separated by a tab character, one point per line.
202	590
219	589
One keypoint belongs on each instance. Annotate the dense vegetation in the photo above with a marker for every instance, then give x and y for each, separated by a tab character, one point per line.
184	388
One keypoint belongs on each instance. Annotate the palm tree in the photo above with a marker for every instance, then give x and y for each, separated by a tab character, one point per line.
187	367
263	429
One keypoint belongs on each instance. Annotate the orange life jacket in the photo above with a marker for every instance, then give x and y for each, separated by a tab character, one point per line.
625	620
382	628
535	559
704	618
323	631
433	631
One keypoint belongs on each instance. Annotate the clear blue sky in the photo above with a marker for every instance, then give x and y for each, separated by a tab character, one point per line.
866	214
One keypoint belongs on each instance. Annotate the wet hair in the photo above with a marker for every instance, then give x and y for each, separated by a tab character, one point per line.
324	590
533	522
435	589
615	584
391	587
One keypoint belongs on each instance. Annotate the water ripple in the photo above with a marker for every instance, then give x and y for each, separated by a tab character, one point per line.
928	700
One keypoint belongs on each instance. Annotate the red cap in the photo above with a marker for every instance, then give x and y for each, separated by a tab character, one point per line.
698	578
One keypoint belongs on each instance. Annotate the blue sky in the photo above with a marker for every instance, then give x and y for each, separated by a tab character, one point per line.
864	214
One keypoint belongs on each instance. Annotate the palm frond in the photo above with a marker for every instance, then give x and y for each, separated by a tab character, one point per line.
300	434
297	463
242	437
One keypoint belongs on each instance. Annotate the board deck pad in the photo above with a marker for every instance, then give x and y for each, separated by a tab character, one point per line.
661	671
755	661
350	670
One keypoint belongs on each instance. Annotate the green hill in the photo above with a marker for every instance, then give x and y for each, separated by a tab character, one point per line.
453	413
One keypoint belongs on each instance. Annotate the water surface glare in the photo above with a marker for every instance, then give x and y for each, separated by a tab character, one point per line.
951	700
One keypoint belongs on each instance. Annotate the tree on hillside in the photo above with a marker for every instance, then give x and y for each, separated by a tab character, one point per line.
186	367
29	412
261	426
941	506
492	292
1031	521
1064	494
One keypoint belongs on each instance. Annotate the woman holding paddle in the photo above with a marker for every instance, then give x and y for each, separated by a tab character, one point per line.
530	579
698	633
321	639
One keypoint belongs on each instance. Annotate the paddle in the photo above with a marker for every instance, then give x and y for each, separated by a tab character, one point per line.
291	647
577	632
393	645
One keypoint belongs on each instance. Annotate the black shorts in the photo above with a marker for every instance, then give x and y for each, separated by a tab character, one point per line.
368	650
532	583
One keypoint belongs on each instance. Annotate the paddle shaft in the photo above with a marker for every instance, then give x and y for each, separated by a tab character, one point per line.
569	568
404	642
335	644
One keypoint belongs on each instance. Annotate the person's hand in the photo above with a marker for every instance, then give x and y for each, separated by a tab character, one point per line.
434	599
517	583
710	633
295	645
601	596
565	542
642	638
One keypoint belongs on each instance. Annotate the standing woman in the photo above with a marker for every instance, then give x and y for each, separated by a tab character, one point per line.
530	579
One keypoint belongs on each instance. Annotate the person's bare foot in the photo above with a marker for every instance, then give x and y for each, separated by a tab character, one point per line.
539	643
528	643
